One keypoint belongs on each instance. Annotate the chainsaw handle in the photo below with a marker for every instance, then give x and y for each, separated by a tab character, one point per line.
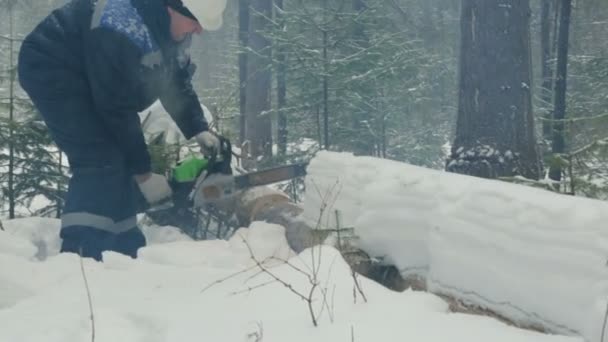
223	164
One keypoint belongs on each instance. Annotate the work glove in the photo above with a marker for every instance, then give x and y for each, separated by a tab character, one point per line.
155	189
209	142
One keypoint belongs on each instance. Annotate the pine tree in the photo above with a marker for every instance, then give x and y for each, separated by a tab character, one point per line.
349	74
33	165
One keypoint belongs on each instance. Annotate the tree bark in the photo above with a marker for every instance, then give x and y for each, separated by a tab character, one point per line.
547	72
243	40
258	121
273	206
59	185
558	143
495	129
11	145
325	92
281	88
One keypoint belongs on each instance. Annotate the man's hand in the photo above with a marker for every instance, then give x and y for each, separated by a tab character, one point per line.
209	142
154	187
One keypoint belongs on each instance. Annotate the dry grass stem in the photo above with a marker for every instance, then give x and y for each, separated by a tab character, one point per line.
86	285
605	323
219	281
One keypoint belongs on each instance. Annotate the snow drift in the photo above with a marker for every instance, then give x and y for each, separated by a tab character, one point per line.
180	290
533	256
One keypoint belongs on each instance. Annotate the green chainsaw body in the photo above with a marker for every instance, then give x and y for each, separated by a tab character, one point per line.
206	187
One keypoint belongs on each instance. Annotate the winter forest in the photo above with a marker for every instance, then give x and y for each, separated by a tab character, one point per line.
516	91
456	184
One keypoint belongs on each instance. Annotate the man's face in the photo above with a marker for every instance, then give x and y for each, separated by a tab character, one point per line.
182	26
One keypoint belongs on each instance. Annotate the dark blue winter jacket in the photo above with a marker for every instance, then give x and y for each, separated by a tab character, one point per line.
122	52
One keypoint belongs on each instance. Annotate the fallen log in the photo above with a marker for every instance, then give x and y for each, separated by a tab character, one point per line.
273	206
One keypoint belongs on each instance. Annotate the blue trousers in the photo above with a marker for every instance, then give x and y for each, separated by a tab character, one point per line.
103	198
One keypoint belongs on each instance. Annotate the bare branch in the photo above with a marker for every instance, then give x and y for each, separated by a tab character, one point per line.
357	286
219	281
605	322
265	270
599	142
297	269
258	335
86	285
330	309
255	287
309	300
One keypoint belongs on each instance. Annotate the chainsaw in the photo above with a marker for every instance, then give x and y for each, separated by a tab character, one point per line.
205	190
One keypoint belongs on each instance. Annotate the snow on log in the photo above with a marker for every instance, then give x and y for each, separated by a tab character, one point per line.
530	255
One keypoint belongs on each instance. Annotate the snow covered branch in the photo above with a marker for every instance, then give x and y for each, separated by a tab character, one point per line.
597	143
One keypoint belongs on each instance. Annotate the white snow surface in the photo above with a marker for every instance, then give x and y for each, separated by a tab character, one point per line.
526	253
533	256
180	290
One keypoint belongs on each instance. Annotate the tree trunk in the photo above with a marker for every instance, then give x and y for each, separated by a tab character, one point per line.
325	92
364	118
281	88
59	185
547	73
358	7
319	126
11	146
495	128
558	143
258	128
383	118
243	40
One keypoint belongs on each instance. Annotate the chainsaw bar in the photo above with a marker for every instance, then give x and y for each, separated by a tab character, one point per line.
218	188
269	176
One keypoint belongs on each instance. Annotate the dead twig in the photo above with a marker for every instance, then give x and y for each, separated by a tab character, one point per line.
357	285
86	285
330	309
251	288
265	270
219	281
258	335
295	268
307	298
605	323
311	272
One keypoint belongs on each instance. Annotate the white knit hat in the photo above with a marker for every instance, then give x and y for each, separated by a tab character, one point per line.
208	12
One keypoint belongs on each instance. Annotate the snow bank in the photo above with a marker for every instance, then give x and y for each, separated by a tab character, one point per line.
532	255
32	238
184	291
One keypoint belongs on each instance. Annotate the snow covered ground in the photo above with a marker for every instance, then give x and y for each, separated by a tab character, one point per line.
174	292
536	257
519	251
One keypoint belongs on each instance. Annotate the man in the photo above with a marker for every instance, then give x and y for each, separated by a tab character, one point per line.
89	68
